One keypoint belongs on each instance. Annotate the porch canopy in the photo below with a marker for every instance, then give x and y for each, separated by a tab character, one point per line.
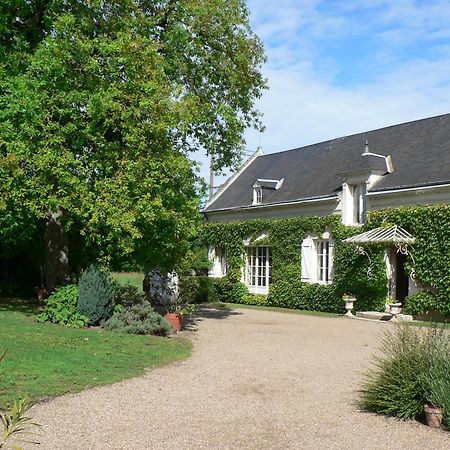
382	235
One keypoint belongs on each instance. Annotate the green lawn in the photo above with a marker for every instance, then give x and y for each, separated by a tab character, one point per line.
47	360
126	278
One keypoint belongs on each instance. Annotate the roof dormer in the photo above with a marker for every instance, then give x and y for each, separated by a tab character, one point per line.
357	183
260	185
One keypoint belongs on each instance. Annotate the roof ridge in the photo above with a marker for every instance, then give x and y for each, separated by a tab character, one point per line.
355	134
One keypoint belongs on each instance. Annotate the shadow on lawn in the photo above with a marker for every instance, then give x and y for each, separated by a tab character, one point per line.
29	306
208	311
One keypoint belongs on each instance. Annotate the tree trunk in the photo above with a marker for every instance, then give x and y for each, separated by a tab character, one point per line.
56	252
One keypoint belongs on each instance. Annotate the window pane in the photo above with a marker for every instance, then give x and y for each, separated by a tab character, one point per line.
259	266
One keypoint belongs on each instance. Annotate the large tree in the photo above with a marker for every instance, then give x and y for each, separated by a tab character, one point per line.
101	104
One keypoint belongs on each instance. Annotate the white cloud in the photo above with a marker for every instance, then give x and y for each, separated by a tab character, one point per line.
407	56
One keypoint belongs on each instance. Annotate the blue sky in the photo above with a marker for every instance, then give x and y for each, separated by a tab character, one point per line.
341	67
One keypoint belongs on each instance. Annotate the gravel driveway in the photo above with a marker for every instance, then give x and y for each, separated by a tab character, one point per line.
256	380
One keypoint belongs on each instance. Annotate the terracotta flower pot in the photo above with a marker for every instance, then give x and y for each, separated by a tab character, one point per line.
433	415
175	320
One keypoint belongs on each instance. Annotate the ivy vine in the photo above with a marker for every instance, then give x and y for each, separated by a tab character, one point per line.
285	237
430	225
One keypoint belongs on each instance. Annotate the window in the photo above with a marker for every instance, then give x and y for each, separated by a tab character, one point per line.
358	195
258	270
354	203
317	259
257	195
323	261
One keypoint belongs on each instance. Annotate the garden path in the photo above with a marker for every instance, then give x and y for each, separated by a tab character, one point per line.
256	380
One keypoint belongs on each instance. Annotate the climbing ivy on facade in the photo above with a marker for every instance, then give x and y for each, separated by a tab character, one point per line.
353	272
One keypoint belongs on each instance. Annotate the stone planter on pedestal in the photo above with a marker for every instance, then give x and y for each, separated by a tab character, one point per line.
395	309
349	300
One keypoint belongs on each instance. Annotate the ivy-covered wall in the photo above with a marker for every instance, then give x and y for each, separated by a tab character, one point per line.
430	225
285	237
431	251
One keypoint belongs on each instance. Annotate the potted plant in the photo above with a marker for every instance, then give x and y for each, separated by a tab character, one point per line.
349	299
176	312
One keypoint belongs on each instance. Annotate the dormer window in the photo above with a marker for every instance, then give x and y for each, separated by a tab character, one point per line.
257	195
261	184
354	203
359	203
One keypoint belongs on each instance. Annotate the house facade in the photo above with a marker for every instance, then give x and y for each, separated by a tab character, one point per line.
347	177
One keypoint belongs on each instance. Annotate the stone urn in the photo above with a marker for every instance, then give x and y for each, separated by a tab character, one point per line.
395	309
348	301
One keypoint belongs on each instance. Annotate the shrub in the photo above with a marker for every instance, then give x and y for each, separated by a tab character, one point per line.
96	295
139	319
128	296
310	297
200	289
254	299
436	379
230	291
421	302
414	368
61	308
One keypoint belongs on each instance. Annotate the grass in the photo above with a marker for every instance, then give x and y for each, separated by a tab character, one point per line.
129	278
277	309
47	360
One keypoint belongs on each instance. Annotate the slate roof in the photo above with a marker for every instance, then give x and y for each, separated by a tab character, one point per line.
420	152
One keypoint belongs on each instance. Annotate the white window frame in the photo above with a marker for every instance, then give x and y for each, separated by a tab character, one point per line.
359	203
258	269
257	195
314	260
324	262
354	203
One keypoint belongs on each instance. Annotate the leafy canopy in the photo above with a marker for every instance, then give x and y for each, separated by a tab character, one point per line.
101	103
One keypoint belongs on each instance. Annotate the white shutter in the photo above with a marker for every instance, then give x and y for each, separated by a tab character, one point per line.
212	259
307	255
331	261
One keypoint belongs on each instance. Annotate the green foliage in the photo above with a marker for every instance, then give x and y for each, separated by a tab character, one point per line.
285	237
230	291
100	105
422	302
61	308
128	296
129	279
437	377
197	289
308	297
139	319
118	309
353	272
17	427
431	227
95	295
414	368
254	299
